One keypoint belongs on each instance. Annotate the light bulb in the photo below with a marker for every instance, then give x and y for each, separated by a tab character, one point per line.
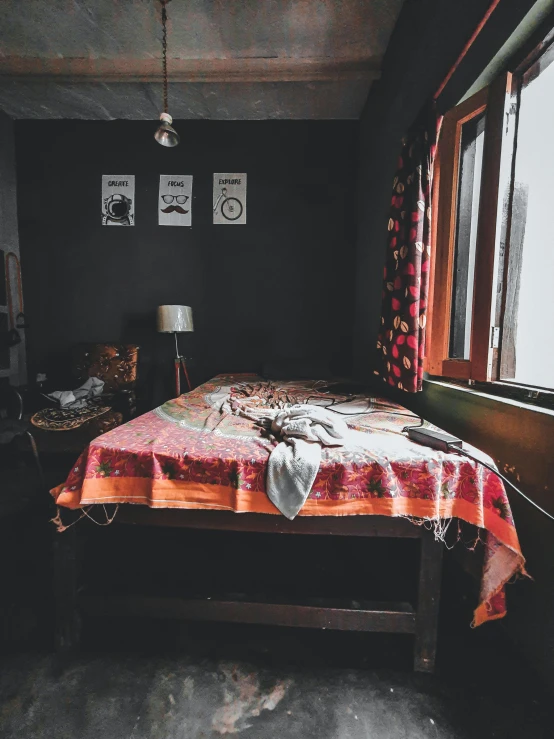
166	135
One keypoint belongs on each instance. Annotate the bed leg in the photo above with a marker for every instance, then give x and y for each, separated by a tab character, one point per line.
66	577
430	570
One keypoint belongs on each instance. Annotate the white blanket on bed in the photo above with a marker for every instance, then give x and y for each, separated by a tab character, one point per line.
294	463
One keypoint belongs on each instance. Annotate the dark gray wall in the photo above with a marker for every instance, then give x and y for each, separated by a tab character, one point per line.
279	286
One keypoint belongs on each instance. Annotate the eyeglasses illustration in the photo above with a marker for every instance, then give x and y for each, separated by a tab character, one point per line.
181	199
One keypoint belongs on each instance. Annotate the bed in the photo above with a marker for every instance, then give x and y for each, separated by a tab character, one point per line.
195	462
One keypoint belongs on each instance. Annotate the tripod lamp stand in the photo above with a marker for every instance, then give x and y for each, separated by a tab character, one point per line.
176	319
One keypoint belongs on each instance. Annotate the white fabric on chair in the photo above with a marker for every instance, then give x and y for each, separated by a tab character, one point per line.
75	399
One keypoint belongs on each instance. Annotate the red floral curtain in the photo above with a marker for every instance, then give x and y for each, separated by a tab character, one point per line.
401	340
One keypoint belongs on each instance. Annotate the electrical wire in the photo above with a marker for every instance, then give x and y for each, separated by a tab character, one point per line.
375	410
368	412
464	453
164	52
417	425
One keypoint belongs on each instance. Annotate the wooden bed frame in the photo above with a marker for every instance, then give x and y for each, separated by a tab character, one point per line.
395	617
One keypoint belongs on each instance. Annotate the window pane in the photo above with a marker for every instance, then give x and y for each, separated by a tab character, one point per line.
527	337
469	186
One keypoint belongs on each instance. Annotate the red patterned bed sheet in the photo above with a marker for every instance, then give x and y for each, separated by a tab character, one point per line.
189	453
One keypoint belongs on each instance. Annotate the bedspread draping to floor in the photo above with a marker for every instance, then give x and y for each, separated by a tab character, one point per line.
195	452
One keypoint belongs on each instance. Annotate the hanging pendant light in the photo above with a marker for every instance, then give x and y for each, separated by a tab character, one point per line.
166	135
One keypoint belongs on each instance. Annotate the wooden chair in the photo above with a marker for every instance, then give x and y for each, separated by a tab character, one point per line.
117	366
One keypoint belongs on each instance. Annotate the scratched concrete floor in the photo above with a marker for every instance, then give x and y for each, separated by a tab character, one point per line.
269	682
162	680
105	697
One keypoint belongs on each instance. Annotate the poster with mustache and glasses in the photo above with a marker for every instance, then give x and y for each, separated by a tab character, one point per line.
118	199
229	203
175	200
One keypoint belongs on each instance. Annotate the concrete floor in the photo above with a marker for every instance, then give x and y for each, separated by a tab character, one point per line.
261	682
163	680
133	697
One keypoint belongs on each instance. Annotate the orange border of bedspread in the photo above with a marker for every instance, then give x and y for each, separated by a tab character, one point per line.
173	494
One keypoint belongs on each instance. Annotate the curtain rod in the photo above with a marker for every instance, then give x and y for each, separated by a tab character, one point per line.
466	48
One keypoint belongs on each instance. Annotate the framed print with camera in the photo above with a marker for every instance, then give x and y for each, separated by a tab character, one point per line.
118	200
175	200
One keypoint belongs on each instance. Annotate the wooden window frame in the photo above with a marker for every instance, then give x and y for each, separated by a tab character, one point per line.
498	248
482	365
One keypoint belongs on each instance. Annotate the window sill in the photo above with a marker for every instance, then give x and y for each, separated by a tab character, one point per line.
502	399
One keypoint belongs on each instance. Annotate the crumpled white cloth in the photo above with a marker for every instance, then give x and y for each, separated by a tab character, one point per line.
76	399
294	463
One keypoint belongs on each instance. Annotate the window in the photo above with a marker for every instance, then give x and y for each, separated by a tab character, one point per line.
492	297
527	355
467	213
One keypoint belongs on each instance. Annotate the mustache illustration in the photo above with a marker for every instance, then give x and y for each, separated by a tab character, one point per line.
175	209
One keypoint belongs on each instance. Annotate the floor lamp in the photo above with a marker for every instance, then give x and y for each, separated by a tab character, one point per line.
176	319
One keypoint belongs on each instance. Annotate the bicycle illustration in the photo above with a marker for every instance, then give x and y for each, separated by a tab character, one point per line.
231	208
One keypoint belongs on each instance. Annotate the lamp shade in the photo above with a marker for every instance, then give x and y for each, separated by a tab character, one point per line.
166	135
174	319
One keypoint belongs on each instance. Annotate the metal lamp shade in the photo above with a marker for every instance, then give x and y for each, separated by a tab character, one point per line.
174	319
166	135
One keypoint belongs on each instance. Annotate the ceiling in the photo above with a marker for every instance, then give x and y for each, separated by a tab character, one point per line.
228	59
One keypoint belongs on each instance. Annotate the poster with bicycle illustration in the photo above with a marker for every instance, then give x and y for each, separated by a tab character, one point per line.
175	200
229	203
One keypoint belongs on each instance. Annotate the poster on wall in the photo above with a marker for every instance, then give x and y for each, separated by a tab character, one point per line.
118	199
175	200
229	198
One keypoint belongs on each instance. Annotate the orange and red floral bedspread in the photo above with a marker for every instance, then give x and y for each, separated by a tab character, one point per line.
194	452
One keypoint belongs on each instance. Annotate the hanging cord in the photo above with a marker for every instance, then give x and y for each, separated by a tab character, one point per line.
13	257
464	453
466	48
164	52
